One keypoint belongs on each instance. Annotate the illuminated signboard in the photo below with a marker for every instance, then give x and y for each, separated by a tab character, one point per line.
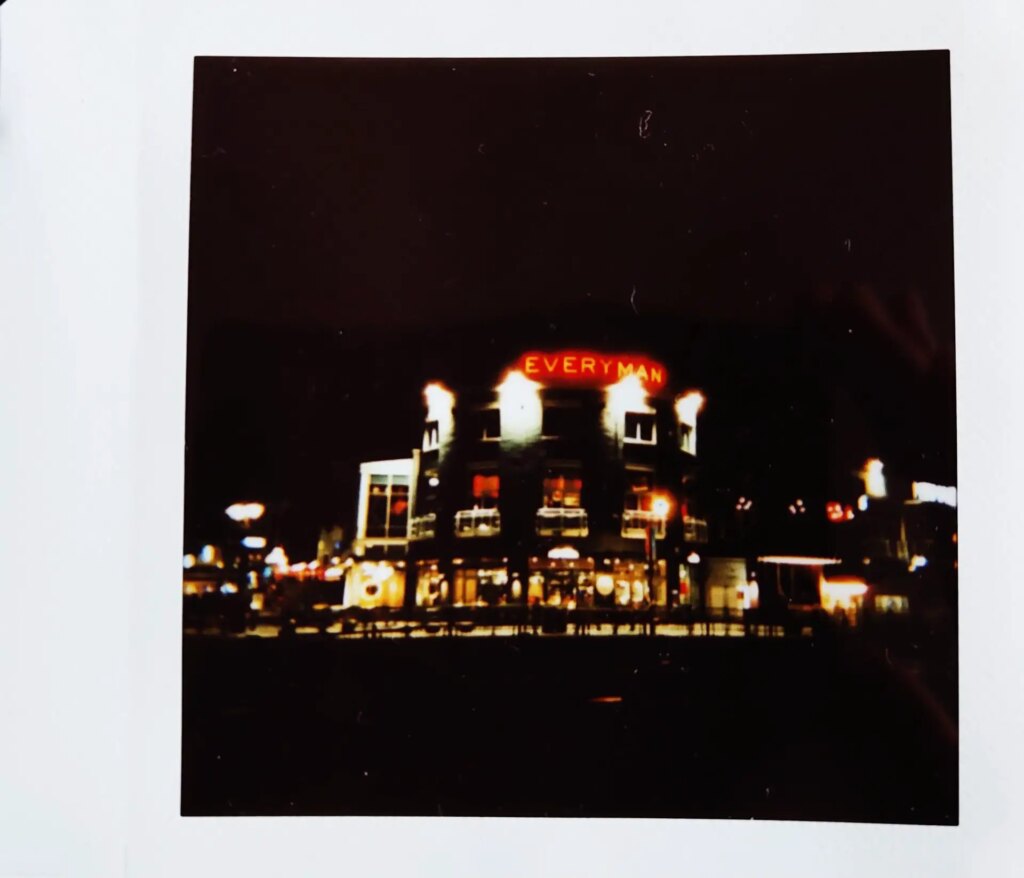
591	368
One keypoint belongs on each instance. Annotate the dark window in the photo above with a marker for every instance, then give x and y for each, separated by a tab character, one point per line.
639	428
489	422
387	511
561	422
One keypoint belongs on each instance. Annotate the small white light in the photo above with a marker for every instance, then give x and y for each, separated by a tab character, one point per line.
254	542
693	558
188	561
433	481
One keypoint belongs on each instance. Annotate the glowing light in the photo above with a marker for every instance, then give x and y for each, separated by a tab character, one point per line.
520	408
564	553
439	399
926	492
834	511
693	558
591	368
208	555
254	542
874	478
277	558
688	406
627	394
245	512
229	588
744	504
433	481
661	506
605	584
798	560
188	561
333	574
841	593
917	562
862	502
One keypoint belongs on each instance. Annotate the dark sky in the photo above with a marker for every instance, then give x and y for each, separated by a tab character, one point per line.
772	224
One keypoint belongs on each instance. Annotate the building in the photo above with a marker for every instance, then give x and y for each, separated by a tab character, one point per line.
566	479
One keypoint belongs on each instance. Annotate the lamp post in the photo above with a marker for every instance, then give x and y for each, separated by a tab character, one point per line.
245	514
661	506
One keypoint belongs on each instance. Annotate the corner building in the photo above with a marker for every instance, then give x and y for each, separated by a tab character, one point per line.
565	481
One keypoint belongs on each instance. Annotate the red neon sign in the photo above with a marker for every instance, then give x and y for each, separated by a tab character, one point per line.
591	368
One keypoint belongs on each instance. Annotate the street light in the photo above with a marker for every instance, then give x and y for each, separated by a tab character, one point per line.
245	514
661	505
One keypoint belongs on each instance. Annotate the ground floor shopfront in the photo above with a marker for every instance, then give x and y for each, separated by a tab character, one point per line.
568	580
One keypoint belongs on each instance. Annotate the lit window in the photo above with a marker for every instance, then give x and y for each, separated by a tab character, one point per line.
639	429
563	489
431	436
638	492
687	438
490	425
486	487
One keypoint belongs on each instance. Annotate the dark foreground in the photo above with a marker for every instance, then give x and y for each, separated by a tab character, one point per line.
562	726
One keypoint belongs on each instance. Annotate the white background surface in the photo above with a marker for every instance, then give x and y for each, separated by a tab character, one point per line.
94	168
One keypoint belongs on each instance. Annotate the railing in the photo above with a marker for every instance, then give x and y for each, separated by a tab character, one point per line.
635	523
477	523
695	530
423	527
553	521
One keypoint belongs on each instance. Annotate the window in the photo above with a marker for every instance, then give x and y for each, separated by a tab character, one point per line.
489	425
638	492
563	489
431	436
687	439
639	428
560	422
486	487
387	513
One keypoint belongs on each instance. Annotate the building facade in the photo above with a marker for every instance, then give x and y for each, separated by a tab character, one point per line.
565	480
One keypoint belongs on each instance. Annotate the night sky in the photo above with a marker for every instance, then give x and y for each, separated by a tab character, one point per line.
778	230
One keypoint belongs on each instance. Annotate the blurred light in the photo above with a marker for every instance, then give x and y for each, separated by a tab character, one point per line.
798	560
564	553
439	399
229	588
605	584
188	561
874	477
917	562
661	506
627	395
842	593
433	481
208	555
926	492
245	512
277	558
688	406
334	573
862	502
693	558
254	542
834	511
256	603
519	406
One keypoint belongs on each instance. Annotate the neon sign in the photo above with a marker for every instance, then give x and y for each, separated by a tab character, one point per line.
591	368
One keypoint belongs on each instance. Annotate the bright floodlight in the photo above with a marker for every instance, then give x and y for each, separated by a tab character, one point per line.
439	399
245	512
688	406
661	506
874	478
520	407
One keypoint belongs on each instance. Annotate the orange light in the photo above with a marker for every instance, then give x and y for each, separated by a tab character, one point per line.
591	368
